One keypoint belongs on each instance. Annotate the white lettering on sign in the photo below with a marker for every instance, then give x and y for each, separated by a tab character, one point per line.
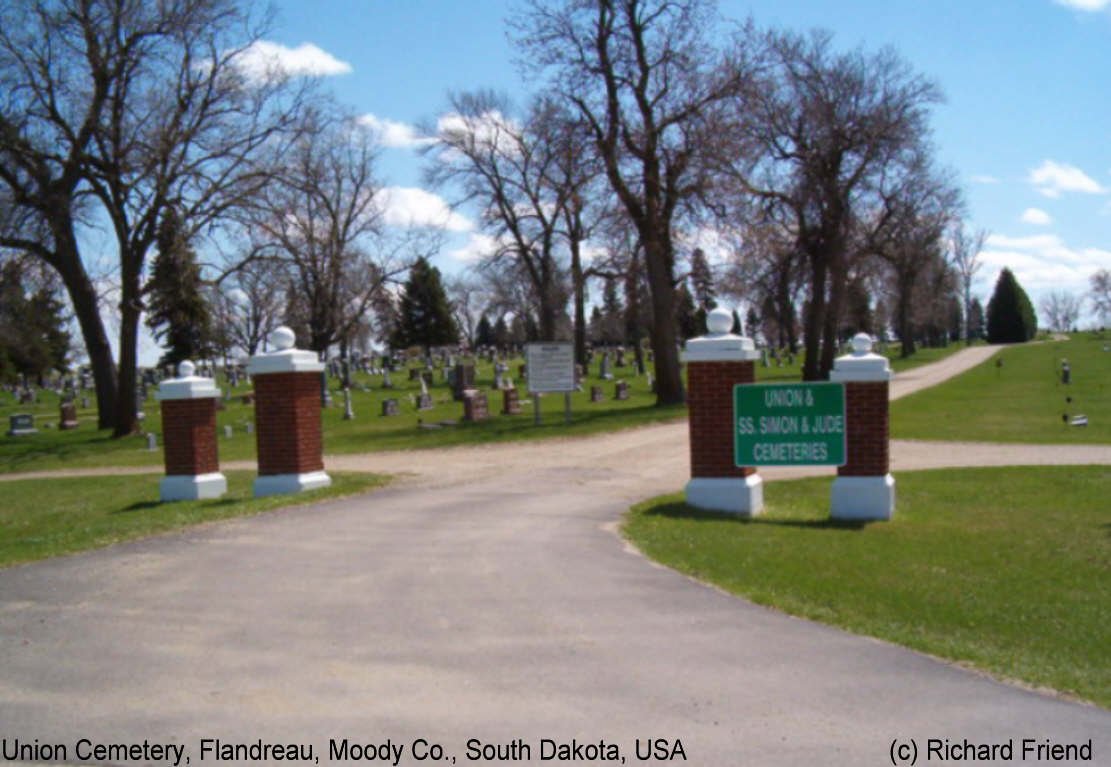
790	452
788	398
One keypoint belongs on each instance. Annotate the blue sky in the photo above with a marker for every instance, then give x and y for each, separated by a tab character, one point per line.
1026	123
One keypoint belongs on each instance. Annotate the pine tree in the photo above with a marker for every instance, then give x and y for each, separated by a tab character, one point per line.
703	281
424	315
177	312
686	320
1011	317
33	338
484	333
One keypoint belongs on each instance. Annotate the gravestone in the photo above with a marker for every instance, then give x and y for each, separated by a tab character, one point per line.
227	431
26	397
84	403
1066	372
604	369
475	406
620	361
21	424
152	442
389	407
462	380
511	402
424	401
621	390
68	417
596	394
414	374
386	383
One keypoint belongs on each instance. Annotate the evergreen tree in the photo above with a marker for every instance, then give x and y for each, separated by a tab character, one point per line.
501	333
424	315
484	333
686	320
178	314
33	338
737	330
1011	316
703	281
752	321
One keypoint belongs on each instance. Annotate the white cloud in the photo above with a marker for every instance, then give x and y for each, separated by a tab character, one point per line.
264	57
490	130
1052	178
412	206
479	246
1037	217
1041	263
394	134
1085	5
981	179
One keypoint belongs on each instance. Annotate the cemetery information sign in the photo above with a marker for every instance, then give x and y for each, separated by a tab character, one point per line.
551	367
792	424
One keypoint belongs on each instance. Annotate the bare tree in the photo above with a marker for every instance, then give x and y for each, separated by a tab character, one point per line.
829	126
249	304
1100	295
319	216
143	107
649	84
510	169
907	233
965	257
1061	310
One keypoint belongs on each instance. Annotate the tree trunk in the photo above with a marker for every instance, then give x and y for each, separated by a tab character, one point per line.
832	321
82	294
669	382
811	367
127	422
906	333
578	281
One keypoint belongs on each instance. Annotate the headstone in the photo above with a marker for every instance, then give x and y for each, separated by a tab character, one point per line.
475	407
68	416
386	383
621	390
596	394
26	397
84	403
511	402
250	428
227	431
414	374
604	370
1066	372
462	381
424	401
389	406
21	424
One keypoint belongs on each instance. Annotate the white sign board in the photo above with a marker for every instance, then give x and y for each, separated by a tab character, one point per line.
551	367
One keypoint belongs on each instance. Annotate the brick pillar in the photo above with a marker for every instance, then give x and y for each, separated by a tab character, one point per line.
715	363
864	488
189	437
287	418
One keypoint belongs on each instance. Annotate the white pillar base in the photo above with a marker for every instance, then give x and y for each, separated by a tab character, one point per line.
277	484
191	487
862	498
733	495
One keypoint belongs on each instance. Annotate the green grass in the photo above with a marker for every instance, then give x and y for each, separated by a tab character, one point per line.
1021	401
369	431
48	518
1015	581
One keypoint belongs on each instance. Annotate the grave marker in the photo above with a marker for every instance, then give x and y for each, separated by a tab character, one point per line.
21	425
389	407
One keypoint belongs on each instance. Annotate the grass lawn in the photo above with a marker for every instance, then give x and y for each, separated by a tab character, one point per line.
369	431
1021	401
47	518
1007	570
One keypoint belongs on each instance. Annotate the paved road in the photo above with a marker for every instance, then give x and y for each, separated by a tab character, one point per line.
498	607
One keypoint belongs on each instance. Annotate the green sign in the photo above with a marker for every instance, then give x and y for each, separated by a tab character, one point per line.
793	424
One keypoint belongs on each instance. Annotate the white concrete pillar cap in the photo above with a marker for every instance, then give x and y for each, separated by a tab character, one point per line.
861	364
285	358
187	385
719	345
